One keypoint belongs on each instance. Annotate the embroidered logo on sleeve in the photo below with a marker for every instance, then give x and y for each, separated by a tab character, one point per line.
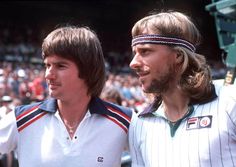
199	122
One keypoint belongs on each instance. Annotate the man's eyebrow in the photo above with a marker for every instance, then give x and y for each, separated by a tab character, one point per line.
56	62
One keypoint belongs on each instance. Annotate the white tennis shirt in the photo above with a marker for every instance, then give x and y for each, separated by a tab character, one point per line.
206	137
41	139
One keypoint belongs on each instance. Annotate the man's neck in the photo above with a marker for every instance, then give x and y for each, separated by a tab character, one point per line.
73	111
175	105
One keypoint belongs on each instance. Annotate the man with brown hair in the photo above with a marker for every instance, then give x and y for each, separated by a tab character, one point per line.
73	127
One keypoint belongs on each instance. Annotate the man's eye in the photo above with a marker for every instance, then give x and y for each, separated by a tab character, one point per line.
133	54
46	65
144	51
61	66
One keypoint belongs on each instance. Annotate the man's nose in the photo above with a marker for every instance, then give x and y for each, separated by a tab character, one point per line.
50	73
135	62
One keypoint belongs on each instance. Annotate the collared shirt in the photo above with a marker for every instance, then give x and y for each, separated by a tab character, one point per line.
40	138
205	137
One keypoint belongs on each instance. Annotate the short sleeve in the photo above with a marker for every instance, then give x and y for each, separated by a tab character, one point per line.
8	133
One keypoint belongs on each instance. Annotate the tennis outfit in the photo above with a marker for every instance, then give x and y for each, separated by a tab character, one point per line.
40	138
205	137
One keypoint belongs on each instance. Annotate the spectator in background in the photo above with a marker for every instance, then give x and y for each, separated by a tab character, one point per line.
6	106
70	128
6	160
25	91
112	95
37	87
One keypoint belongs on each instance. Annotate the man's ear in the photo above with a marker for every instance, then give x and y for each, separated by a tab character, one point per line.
179	58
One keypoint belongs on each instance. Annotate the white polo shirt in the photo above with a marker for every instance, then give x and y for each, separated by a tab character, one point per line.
206	137
41	139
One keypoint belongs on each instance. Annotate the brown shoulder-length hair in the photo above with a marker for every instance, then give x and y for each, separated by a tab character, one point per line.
82	46
195	73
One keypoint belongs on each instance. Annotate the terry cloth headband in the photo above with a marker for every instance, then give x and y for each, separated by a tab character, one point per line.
159	39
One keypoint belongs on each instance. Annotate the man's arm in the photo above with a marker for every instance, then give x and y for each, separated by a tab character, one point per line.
8	133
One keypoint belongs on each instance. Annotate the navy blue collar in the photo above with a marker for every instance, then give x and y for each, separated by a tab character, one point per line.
96	105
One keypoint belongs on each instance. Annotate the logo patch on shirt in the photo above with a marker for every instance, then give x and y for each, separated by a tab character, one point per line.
100	159
199	122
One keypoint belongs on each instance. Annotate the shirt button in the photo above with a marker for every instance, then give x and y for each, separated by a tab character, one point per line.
67	138
75	137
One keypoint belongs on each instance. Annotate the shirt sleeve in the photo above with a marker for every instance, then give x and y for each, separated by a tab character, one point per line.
135	152
8	133
227	97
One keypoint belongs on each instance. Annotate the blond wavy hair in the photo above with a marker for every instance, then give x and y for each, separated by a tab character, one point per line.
195	78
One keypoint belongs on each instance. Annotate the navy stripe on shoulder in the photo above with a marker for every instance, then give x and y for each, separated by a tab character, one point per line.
125	110
119	115
24	108
28	115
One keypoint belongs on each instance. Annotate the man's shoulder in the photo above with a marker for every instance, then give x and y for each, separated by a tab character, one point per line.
100	106
25	108
120	115
47	105
28	114
112	106
225	90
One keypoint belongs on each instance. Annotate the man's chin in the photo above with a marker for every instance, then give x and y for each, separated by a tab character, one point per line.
150	90
145	90
52	94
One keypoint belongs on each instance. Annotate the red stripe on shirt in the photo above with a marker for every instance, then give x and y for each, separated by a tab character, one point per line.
31	121
26	112
117	122
119	113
